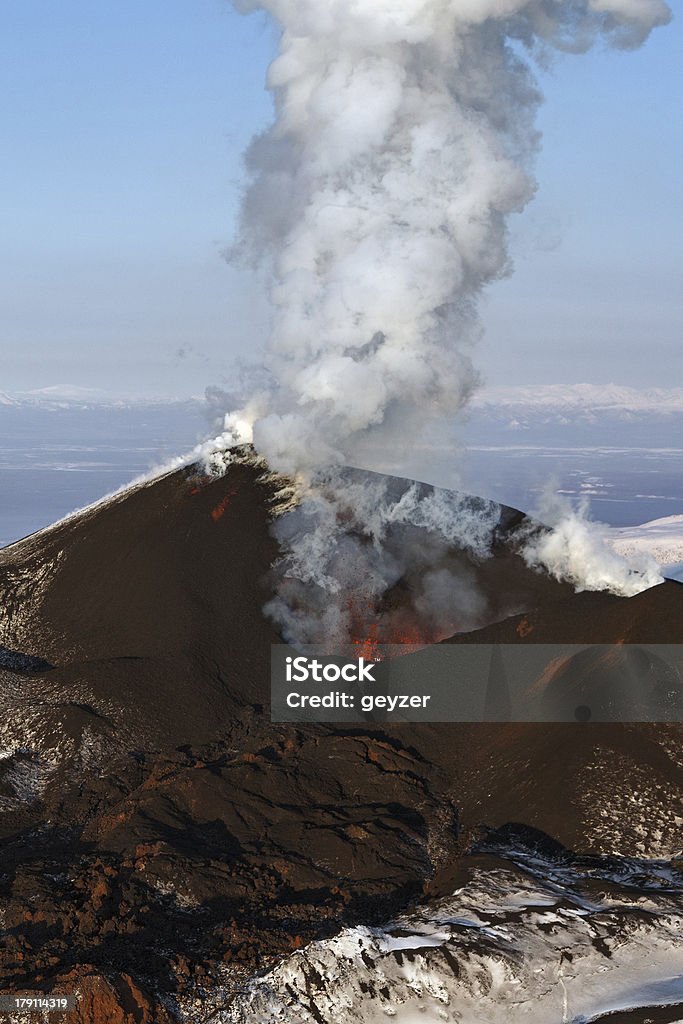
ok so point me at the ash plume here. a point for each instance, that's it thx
(377, 206)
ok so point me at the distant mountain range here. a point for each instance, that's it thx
(560, 403)
(573, 401)
(75, 397)
(529, 418)
(576, 415)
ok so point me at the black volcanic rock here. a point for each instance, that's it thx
(15, 661)
(156, 829)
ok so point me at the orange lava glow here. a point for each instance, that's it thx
(220, 509)
(371, 630)
(367, 646)
(197, 483)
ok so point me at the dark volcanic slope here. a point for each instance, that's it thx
(652, 617)
(156, 827)
(149, 610)
(174, 567)
(595, 786)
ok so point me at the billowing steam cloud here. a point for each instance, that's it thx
(577, 550)
(379, 199)
(378, 203)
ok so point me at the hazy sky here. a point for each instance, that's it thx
(123, 125)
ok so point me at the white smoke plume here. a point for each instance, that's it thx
(378, 204)
(577, 549)
(378, 201)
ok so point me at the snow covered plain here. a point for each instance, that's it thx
(662, 538)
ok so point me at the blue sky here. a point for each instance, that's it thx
(123, 126)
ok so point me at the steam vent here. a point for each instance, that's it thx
(163, 842)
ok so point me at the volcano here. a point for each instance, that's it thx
(162, 839)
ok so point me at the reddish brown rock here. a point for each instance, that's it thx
(108, 1000)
